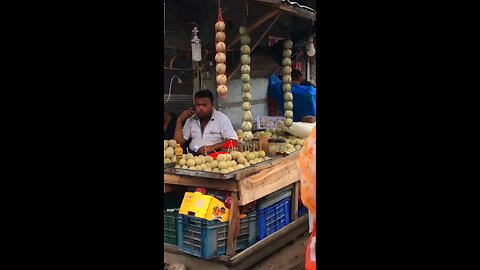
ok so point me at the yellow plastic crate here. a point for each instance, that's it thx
(204, 206)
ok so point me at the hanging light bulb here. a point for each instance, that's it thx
(196, 46)
(310, 47)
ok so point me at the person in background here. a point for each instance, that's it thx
(169, 120)
(297, 78)
(207, 128)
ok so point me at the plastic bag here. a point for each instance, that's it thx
(306, 165)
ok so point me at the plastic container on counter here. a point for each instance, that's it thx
(276, 145)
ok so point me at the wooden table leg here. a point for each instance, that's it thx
(295, 193)
(233, 225)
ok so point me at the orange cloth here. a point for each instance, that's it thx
(307, 171)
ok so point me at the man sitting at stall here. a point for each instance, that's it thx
(207, 128)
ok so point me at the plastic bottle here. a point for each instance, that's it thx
(178, 153)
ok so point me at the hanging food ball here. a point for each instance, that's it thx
(287, 87)
(247, 126)
(287, 79)
(288, 96)
(245, 49)
(246, 96)
(245, 69)
(288, 122)
(243, 30)
(286, 62)
(220, 68)
(288, 105)
(246, 106)
(246, 87)
(287, 53)
(220, 26)
(220, 57)
(244, 39)
(245, 78)
(220, 46)
(220, 36)
(287, 70)
(288, 44)
(247, 135)
(222, 89)
(288, 114)
(247, 116)
(245, 59)
(221, 79)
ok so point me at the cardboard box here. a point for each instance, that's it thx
(204, 206)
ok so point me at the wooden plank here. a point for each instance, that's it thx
(200, 182)
(233, 225)
(168, 188)
(256, 44)
(274, 161)
(265, 247)
(209, 175)
(295, 193)
(261, 20)
(267, 181)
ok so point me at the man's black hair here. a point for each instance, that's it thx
(204, 93)
(297, 75)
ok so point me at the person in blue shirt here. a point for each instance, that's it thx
(297, 78)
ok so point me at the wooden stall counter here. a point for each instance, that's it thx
(246, 185)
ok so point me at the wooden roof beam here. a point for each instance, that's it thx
(255, 25)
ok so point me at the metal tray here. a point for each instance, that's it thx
(236, 175)
(167, 166)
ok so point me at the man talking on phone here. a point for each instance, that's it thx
(208, 128)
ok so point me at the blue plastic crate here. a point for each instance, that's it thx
(208, 238)
(273, 218)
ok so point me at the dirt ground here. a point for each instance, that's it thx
(290, 257)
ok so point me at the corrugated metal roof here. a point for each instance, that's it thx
(299, 5)
(298, 8)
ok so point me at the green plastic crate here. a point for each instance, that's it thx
(171, 204)
(170, 227)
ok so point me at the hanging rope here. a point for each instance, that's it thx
(244, 21)
(221, 52)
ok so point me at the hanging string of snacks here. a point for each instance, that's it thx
(287, 82)
(245, 78)
(221, 57)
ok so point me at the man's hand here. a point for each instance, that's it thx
(205, 150)
(185, 115)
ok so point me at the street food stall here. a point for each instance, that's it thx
(238, 205)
